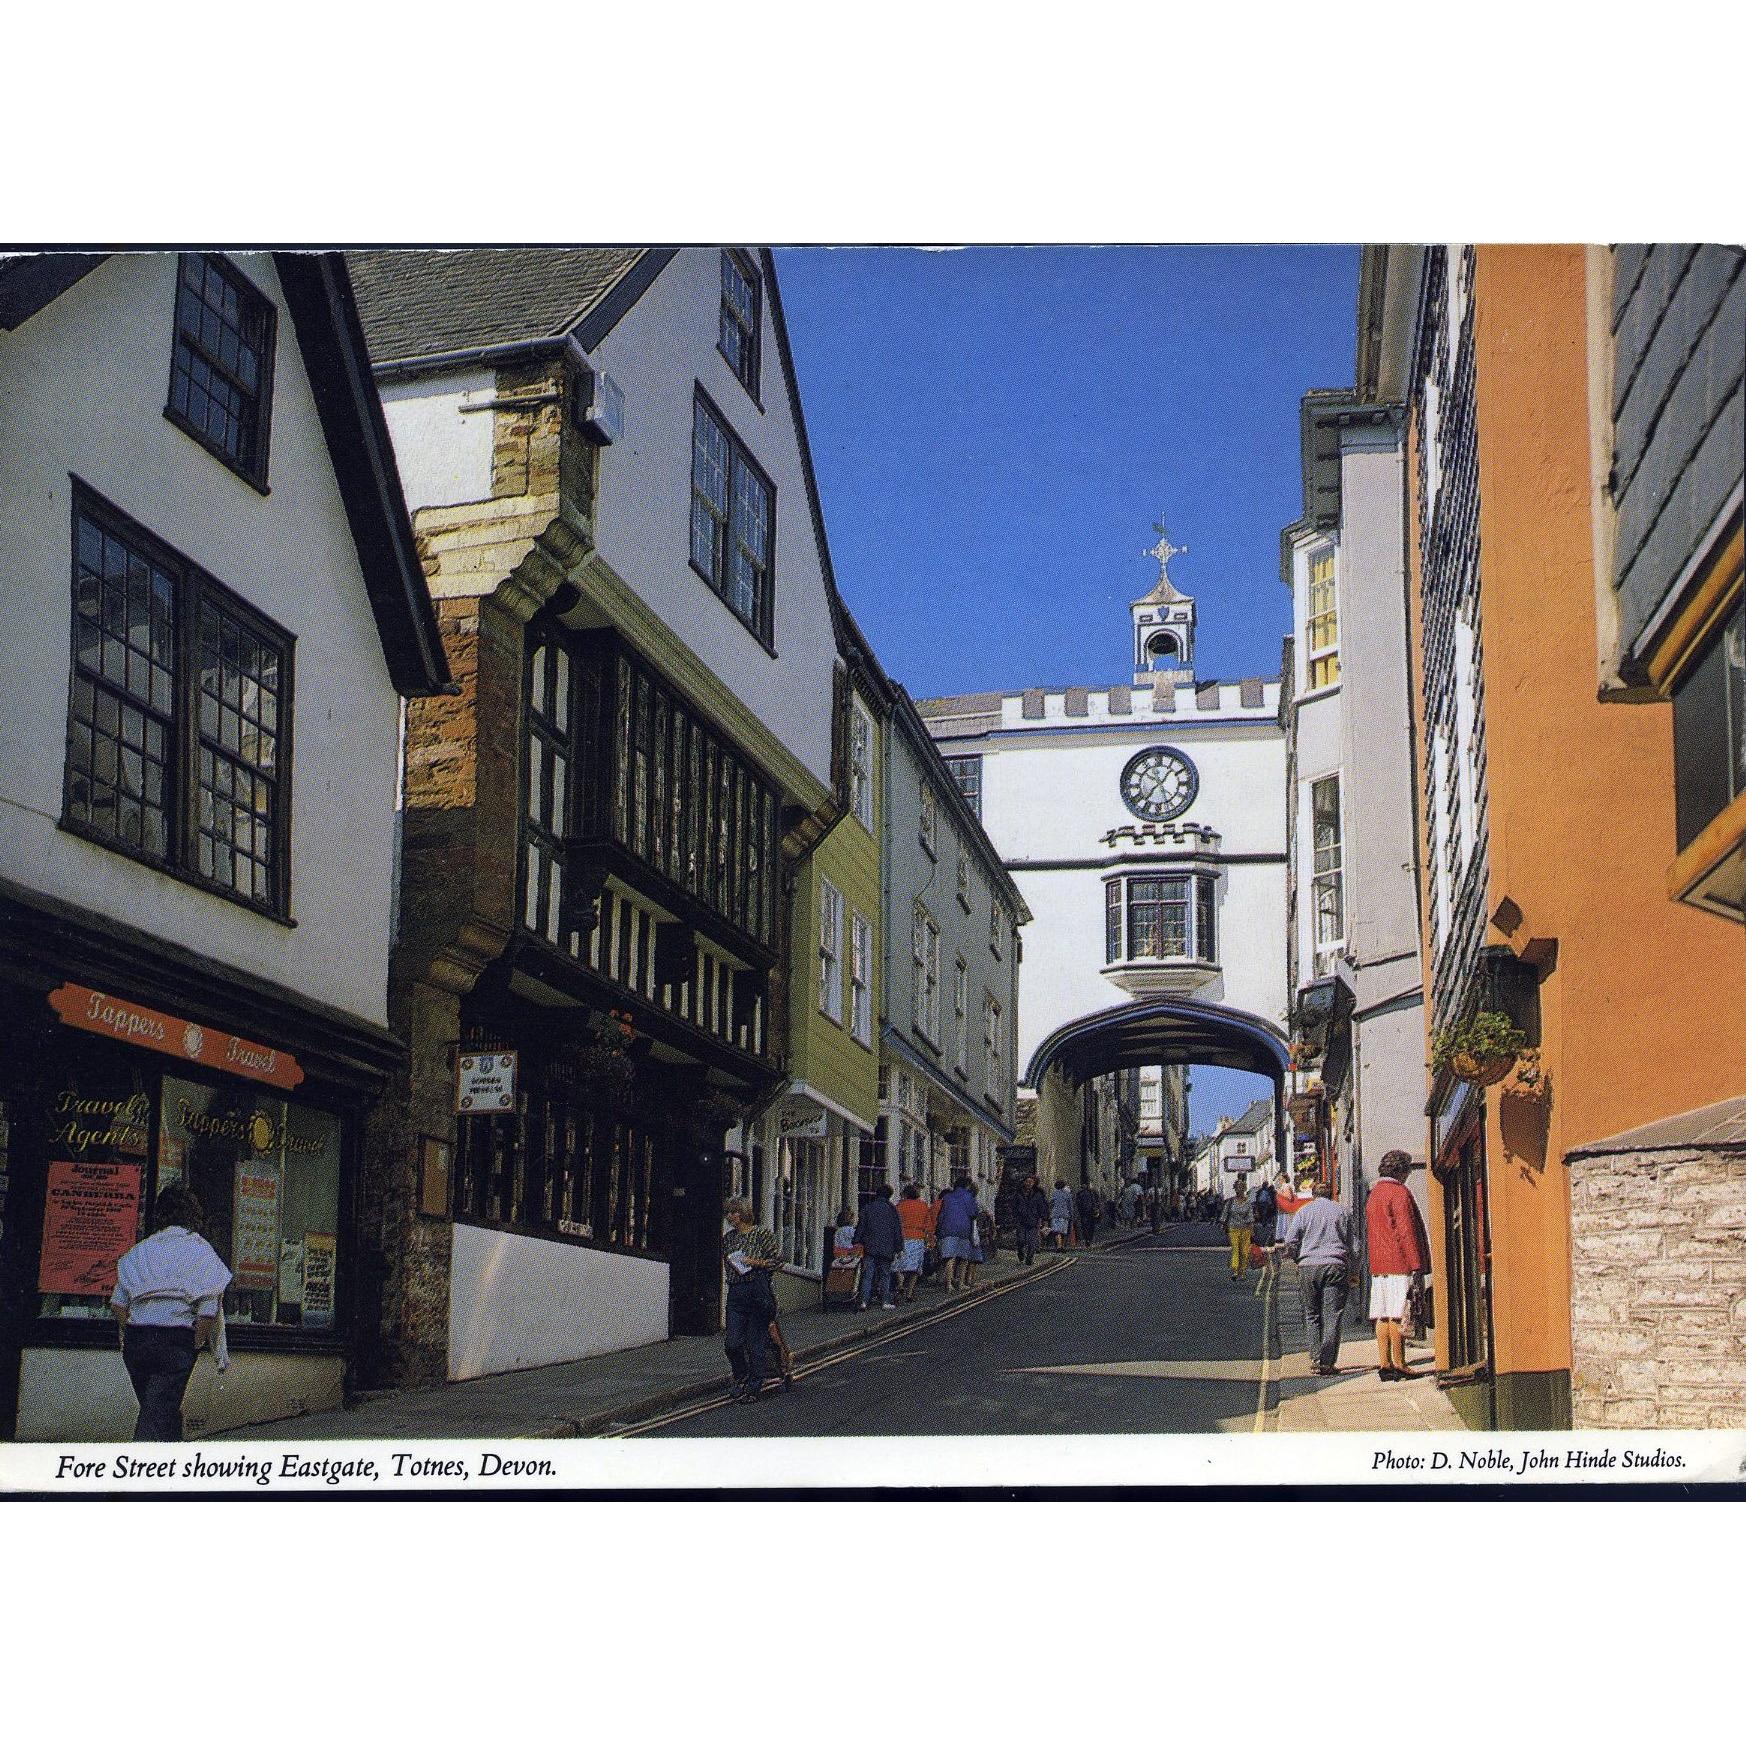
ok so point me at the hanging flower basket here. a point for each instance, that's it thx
(1480, 1050)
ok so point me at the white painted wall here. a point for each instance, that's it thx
(83, 386)
(442, 449)
(657, 353)
(1053, 795)
(516, 1302)
(82, 1395)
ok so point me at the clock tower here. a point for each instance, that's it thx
(1163, 619)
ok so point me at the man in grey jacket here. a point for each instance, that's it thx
(1319, 1240)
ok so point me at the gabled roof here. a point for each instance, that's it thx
(1256, 1119)
(426, 307)
(319, 298)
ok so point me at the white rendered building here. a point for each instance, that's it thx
(1144, 822)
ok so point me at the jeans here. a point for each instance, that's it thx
(876, 1278)
(1027, 1244)
(159, 1362)
(750, 1307)
(1323, 1288)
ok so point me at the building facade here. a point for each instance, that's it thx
(1359, 1087)
(1144, 824)
(607, 462)
(213, 610)
(948, 1069)
(1547, 814)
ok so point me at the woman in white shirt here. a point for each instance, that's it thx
(169, 1295)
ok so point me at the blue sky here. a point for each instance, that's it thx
(996, 430)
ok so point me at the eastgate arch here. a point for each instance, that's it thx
(1165, 1031)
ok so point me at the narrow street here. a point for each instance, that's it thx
(1152, 1336)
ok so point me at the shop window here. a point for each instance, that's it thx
(266, 1172)
(870, 1162)
(799, 1184)
(98, 1117)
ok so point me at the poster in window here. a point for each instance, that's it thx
(320, 1250)
(291, 1271)
(90, 1220)
(254, 1243)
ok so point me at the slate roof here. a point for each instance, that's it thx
(420, 303)
(1256, 1119)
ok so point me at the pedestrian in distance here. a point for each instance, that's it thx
(916, 1219)
(1320, 1242)
(169, 1300)
(981, 1236)
(1266, 1213)
(749, 1257)
(1087, 1205)
(1239, 1222)
(1128, 1203)
(1030, 1208)
(955, 1229)
(880, 1234)
(1400, 1255)
(1060, 1214)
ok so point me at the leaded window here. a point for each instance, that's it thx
(179, 714)
(740, 300)
(221, 365)
(967, 773)
(733, 526)
(551, 751)
(1159, 916)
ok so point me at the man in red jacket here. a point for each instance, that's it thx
(1399, 1256)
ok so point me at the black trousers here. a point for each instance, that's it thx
(1323, 1287)
(159, 1362)
(747, 1335)
(1027, 1243)
(1087, 1231)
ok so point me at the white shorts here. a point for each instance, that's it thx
(1388, 1296)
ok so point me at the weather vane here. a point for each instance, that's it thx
(1164, 551)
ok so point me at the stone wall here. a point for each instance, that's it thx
(1659, 1300)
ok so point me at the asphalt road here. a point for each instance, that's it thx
(1153, 1336)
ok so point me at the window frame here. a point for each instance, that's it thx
(193, 586)
(861, 979)
(1199, 906)
(761, 624)
(259, 304)
(751, 378)
(925, 953)
(961, 1018)
(831, 911)
(928, 822)
(861, 763)
(994, 1049)
(1329, 877)
(1326, 655)
(961, 766)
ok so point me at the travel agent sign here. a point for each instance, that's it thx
(108, 1015)
(485, 1084)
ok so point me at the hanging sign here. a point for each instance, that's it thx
(485, 1084)
(89, 1221)
(801, 1119)
(87, 1009)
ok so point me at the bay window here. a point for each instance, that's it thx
(1158, 916)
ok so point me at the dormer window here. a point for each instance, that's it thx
(221, 366)
(740, 305)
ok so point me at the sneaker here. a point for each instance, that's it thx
(888, 1306)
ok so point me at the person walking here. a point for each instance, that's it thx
(1266, 1214)
(880, 1234)
(1128, 1203)
(916, 1219)
(1087, 1205)
(169, 1300)
(1060, 1214)
(1320, 1242)
(1400, 1254)
(955, 1229)
(749, 1256)
(1029, 1209)
(981, 1236)
(1238, 1219)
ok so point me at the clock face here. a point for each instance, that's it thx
(1159, 783)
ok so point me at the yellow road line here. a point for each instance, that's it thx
(859, 1350)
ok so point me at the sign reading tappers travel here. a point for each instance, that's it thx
(485, 1084)
(87, 1009)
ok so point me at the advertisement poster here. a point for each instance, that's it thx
(291, 1271)
(89, 1221)
(254, 1246)
(319, 1251)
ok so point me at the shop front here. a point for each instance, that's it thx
(130, 1067)
(1462, 1231)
